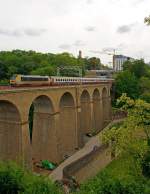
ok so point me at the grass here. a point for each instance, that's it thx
(122, 169)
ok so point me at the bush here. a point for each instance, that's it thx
(116, 186)
(146, 165)
(105, 184)
(15, 180)
(11, 179)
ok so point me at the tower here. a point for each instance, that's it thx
(80, 54)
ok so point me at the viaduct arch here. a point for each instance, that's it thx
(61, 117)
(42, 138)
(97, 110)
(85, 112)
(10, 131)
(67, 125)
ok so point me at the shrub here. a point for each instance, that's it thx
(104, 184)
(116, 186)
(11, 179)
(146, 165)
(16, 180)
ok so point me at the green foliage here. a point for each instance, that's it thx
(92, 63)
(134, 80)
(11, 179)
(15, 180)
(126, 82)
(127, 137)
(49, 70)
(118, 177)
(3, 71)
(144, 84)
(30, 62)
(136, 67)
(146, 164)
(145, 96)
(113, 186)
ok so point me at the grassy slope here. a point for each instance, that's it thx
(122, 168)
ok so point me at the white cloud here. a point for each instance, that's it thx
(66, 23)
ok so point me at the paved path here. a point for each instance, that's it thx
(57, 174)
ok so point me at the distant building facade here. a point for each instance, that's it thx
(118, 61)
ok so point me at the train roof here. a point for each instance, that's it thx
(34, 76)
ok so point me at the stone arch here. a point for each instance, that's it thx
(85, 112)
(97, 110)
(67, 132)
(10, 132)
(105, 102)
(43, 131)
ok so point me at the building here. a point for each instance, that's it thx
(118, 61)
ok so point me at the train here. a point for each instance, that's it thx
(37, 80)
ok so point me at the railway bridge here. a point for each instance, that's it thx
(61, 117)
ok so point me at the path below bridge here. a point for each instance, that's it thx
(57, 174)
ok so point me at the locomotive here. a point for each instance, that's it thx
(37, 80)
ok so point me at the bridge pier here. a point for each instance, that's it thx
(14, 139)
(61, 118)
(97, 111)
(43, 139)
(68, 125)
(86, 112)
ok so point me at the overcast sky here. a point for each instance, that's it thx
(93, 26)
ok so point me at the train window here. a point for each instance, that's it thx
(34, 79)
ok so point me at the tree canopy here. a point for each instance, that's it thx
(31, 62)
(134, 80)
(126, 82)
(127, 137)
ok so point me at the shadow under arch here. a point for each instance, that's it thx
(85, 116)
(97, 111)
(10, 132)
(105, 104)
(67, 131)
(42, 129)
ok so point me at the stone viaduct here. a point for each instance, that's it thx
(62, 116)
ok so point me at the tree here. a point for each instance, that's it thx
(126, 82)
(92, 63)
(135, 128)
(144, 84)
(31, 62)
(48, 70)
(3, 71)
(147, 20)
(137, 67)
